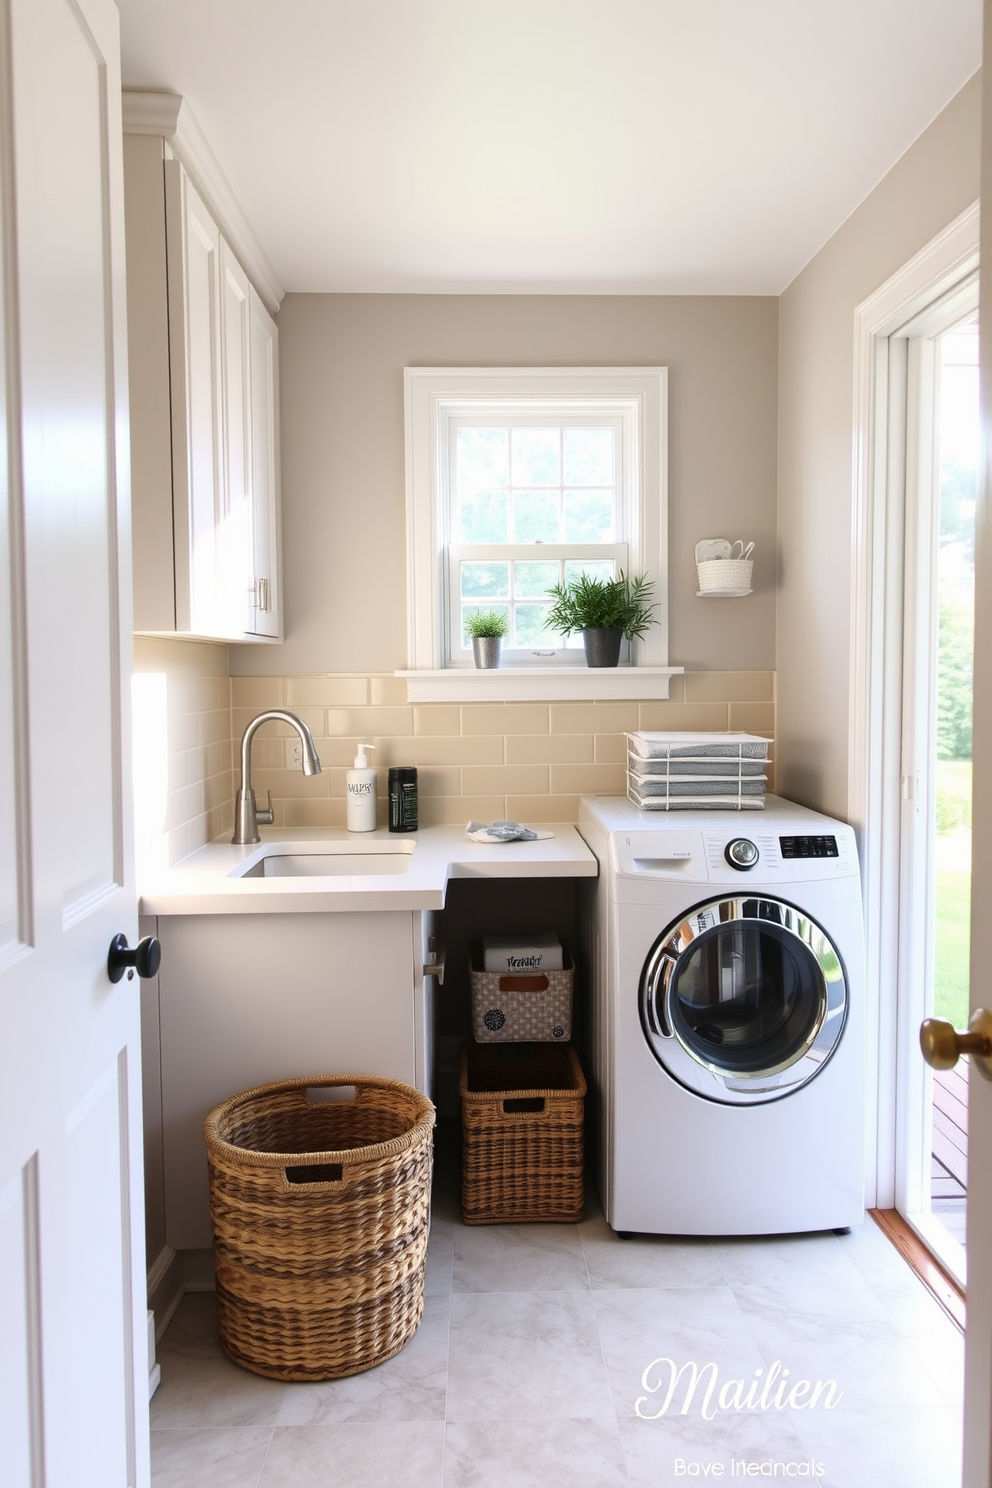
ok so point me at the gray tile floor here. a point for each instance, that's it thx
(528, 1367)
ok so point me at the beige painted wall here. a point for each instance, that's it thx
(342, 360)
(933, 183)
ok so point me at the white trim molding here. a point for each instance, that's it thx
(881, 324)
(639, 395)
(169, 115)
(534, 684)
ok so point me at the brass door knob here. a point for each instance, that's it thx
(943, 1046)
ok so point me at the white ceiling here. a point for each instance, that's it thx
(612, 146)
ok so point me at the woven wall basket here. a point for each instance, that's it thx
(719, 575)
(320, 1213)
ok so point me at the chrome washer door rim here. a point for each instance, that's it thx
(662, 1024)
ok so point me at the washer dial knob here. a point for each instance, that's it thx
(741, 854)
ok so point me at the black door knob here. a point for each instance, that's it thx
(145, 959)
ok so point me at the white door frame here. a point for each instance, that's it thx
(876, 702)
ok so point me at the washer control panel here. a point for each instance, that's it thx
(808, 847)
(741, 854)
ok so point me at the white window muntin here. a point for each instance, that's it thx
(605, 559)
(561, 421)
(437, 397)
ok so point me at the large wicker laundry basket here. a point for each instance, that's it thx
(320, 1211)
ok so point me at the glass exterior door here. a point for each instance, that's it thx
(958, 436)
(935, 891)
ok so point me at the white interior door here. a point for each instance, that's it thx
(73, 1349)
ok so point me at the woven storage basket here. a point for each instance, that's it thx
(320, 1214)
(717, 575)
(522, 1137)
(516, 1009)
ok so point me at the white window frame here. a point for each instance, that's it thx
(434, 396)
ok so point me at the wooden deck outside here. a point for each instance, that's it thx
(949, 1154)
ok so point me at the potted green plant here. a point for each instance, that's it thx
(604, 610)
(486, 629)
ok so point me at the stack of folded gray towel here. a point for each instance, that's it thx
(691, 772)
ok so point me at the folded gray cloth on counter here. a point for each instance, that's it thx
(503, 831)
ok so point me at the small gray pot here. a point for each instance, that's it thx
(602, 647)
(485, 649)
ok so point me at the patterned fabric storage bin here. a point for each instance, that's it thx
(522, 1133)
(516, 1009)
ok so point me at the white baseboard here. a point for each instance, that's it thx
(165, 1287)
(154, 1368)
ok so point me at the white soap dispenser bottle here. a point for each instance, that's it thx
(361, 783)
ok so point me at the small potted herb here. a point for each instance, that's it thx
(604, 610)
(487, 629)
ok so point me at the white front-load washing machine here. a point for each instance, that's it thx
(727, 1029)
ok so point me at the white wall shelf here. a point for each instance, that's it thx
(538, 684)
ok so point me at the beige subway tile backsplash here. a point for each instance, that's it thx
(434, 780)
(332, 692)
(520, 779)
(275, 729)
(610, 749)
(385, 691)
(394, 751)
(437, 718)
(298, 813)
(753, 718)
(588, 780)
(702, 717)
(542, 808)
(593, 718)
(525, 761)
(505, 718)
(365, 723)
(437, 809)
(256, 693)
(549, 749)
(479, 749)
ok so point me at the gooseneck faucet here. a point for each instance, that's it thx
(246, 815)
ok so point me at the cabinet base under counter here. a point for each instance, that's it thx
(247, 1000)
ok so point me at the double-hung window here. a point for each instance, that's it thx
(518, 480)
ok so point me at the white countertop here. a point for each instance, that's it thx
(201, 883)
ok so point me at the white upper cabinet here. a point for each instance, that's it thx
(204, 402)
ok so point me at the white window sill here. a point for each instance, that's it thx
(509, 684)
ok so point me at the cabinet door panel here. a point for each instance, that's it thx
(198, 475)
(267, 598)
(233, 529)
(250, 999)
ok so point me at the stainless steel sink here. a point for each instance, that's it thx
(329, 862)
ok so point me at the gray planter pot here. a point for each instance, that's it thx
(602, 647)
(485, 649)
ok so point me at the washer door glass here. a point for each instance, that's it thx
(743, 1000)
